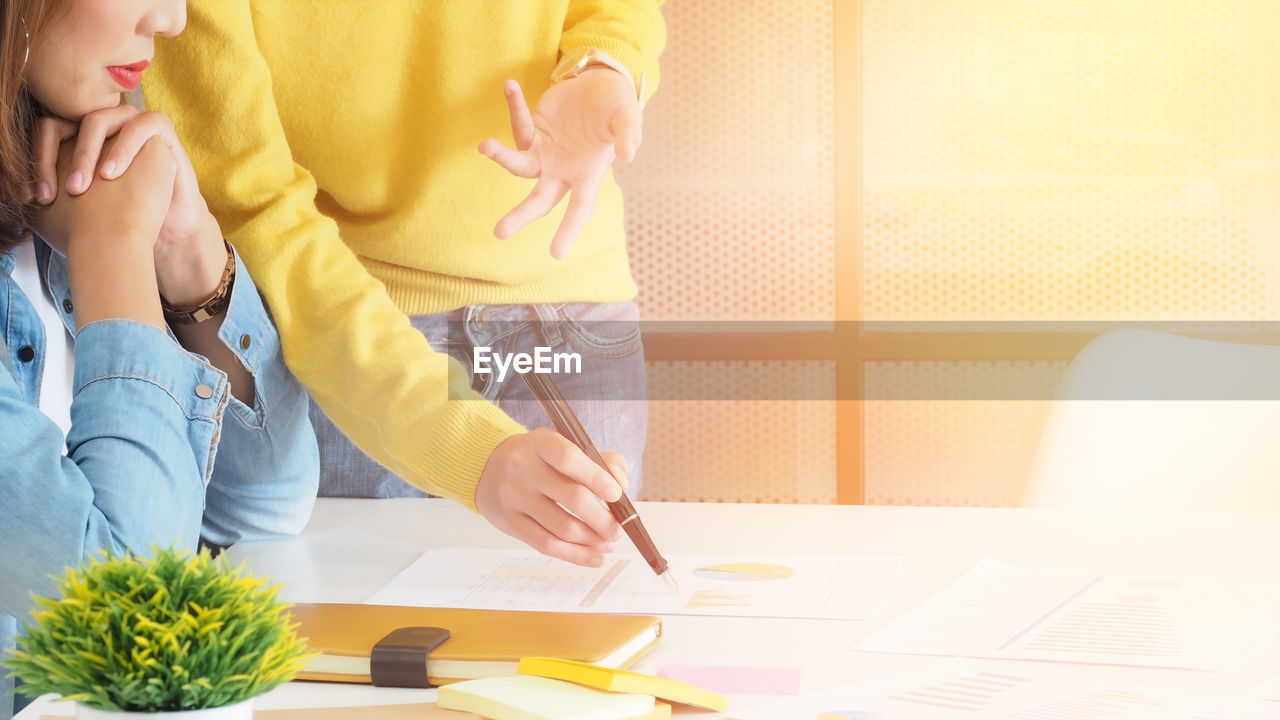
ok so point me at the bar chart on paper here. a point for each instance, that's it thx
(841, 587)
(999, 610)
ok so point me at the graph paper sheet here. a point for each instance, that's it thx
(961, 687)
(838, 587)
(999, 610)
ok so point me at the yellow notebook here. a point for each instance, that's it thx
(622, 681)
(482, 643)
(527, 697)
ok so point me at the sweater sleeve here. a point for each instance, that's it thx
(632, 31)
(342, 335)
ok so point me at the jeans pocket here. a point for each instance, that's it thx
(604, 331)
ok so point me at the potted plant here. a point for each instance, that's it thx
(175, 635)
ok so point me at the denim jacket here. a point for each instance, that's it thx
(159, 451)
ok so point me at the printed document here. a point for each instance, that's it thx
(838, 587)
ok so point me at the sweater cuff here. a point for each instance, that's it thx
(644, 71)
(478, 430)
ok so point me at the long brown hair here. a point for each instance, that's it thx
(18, 110)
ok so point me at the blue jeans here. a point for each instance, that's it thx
(608, 396)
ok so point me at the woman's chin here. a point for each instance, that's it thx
(77, 110)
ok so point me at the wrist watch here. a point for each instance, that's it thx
(213, 305)
(576, 62)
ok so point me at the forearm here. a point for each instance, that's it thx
(202, 339)
(187, 275)
(113, 277)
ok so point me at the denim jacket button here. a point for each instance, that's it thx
(204, 391)
(66, 305)
(26, 353)
(245, 342)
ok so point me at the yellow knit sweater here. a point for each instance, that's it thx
(335, 141)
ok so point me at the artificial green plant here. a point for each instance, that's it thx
(176, 631)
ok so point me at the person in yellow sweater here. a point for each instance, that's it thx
(343, 135)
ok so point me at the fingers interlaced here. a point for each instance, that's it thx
(49, 135)
(93, 133)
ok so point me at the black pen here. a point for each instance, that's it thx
(545, 390)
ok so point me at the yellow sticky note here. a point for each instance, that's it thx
(622, 681)
(527, 697)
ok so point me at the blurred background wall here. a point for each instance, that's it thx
(931, 206)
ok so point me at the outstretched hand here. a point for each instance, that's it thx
(577, 130)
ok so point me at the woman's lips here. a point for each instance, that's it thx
(128, 76)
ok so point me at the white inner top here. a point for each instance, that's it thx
(55, 385)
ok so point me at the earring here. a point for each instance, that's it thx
(27, 54)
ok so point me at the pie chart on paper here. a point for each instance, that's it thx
(744, 572)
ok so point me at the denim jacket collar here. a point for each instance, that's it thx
(52, 269)
(53, 273)
(8, 259)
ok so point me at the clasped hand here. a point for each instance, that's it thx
(151, 193)
(577, 130)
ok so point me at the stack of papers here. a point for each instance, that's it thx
(960, 688)
(999, 610)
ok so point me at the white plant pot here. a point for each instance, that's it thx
(239, 711)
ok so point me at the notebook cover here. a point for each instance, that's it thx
(351, 630)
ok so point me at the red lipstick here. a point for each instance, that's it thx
(128, 76)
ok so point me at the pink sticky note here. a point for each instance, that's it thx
(735, 680)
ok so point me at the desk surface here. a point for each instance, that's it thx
(351, 548)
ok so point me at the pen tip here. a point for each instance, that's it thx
(671, 582)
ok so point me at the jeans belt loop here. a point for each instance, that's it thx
(472, 324)
(550, 324)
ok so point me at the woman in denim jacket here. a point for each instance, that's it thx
(143, 397)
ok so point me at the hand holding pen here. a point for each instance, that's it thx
(541, 489)
(562, 416)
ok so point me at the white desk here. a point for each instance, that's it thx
(352, 547)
